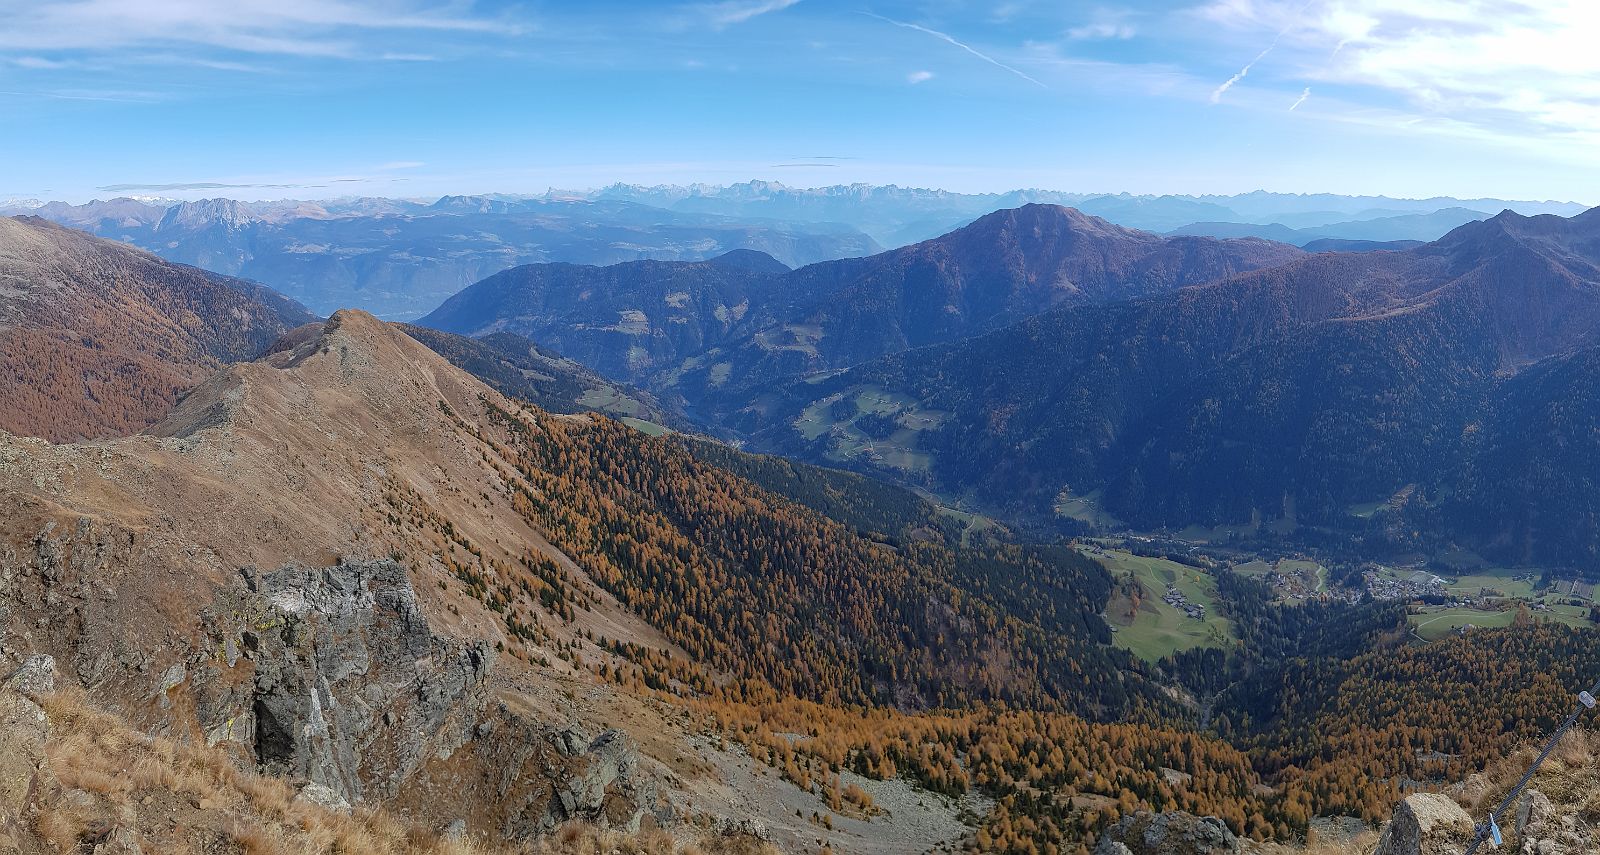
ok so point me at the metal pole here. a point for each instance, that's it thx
(1586, 701)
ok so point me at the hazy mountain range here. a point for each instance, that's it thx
(900, 215)
(400, 259)
(1378, 232)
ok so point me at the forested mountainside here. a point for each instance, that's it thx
(400, 258)
(677, 588)
(709, 331)
(522, 369)
(99, 339)
(624, 320)
(875, 508)
(572, 544)
(1295, 391)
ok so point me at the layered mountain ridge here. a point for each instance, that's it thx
(703, 331)
(400, 258)
(900, 215)
(1293, 391)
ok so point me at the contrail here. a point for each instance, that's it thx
(1228, 84)
(1301, 100)
(968, 48)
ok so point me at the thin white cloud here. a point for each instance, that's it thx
(39, 63)
(966, 47)
(109, 95)
(916, 77)
(297, 27)
(1104, 23)
(1118, 78)
(1101, 30)
(1006, 11)
(200, 185)
(1301, 100)
(199, 62)
(233, 188)
(730, 12)
(1508, 67)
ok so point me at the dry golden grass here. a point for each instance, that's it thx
(59, 828)
(1360, 845)
(580, 839)
(254, 839)
(105, 775)
(1570, 777)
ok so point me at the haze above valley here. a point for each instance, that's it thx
(400, 258)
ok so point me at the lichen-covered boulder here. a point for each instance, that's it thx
(332, 675)
(1171, 833)
(1427, 824)
(24, 727)
(36, 676)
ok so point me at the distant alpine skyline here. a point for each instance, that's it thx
(302, 99)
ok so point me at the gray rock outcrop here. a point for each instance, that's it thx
(332, 675)
(1171, 833)
(537, 777)
(581, 791)
(1427, 824)
(455, 832)
(323, 797)
(35, 676)
(1541, 829)
(729, 826)
(23, 731)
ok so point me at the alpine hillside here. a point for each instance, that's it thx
(1293, 393)
(99, 339)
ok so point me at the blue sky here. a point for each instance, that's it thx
(314, 98)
